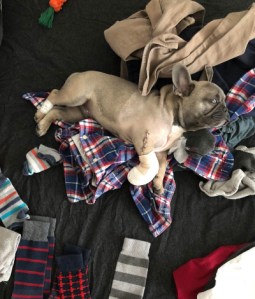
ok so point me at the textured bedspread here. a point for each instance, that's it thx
(33, 58)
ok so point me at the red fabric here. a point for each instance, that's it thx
(193, 276)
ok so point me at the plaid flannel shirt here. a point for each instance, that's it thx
(108, 160)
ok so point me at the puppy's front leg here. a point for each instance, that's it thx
(159, 178)
(148, 167)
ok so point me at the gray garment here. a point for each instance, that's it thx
(9, 242)
(35, 230)
(241, 184)
(51, 221)
(131, 270)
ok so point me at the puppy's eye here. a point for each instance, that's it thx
(214, 101)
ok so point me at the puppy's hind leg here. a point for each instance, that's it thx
(67, 114)
(46, 106)
(71, 94)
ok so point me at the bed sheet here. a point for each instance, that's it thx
(33, 58)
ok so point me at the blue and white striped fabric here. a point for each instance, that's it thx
(13, 211)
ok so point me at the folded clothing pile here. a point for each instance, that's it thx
(8, 247)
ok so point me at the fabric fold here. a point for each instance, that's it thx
(129, 35)
(218, 41)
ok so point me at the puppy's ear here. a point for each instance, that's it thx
(207, 74)
(182, 82)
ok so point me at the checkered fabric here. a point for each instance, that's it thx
(106, 160)
(71, 279)
(73, 285)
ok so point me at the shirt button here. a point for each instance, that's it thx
(84, 136)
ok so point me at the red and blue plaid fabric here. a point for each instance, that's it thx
(108, 160)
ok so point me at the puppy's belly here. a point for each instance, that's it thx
(172, 139)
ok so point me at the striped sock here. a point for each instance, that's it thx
(40, 159)
(31, 261)
(13, 211)
(71, 277)
(131, 270)
(51, 241)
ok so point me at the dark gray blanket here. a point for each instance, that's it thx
(33, 58)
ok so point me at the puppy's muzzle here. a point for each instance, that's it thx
(219, 115)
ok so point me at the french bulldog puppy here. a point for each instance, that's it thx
(152, 123)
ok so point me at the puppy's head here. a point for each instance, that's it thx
(201, 103)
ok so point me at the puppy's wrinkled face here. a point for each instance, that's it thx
(204, 107)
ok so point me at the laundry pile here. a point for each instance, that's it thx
(95, 162)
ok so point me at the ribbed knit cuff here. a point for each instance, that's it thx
(70, 262)
(86, 255)
(136, 248)
(35, 230)
(72, 249)
(51, 221)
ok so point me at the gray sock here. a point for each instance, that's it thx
(131, 270)
(51, 221)
(35, 230)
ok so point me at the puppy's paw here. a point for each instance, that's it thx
(138, 177)
(42, 128)
(38, 116)
(157, 186)
(158, 191)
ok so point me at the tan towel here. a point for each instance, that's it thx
(128, 36)
(219, 41)
(9, 242)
